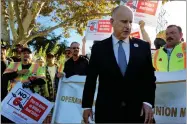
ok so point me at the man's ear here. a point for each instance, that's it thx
(181, 35)
(111, 21)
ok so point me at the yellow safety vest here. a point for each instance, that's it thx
(34, 69)
(176, 62)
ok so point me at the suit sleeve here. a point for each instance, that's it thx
(90, 84)
(149, 79)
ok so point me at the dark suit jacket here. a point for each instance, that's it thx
(119, 97)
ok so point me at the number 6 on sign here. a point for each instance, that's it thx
(17, 101)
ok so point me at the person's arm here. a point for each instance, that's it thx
(84, 46)
(144, 33)
(10, 75)
(91, 79)
(66, 72)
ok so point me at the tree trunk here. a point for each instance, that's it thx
(5, 32)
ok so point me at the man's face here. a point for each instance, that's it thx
(3, 53)
(19, 51)
(122, 23)
(40, 62)
(68, 54)
(50, 59)
(75, 47)
(26, 56)
(173, 36)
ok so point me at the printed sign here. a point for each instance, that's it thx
(145, 10)
(98, 29)
(23, 106)
(136, 33)
(102, 29)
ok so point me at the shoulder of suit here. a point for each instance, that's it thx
(101, 43)
(84, 57)
(140, 41)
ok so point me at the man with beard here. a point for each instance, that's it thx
(17, 53)
(77, 64)
(172, 56)
(26, 72)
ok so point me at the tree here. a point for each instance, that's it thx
(68, 14)
(5, 35)
(51, 40)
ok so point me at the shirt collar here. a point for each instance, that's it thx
(115, 40)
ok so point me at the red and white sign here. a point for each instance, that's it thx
(23, 106)
(104, 26)
(98, 29)
(136, 33)
(145, 10)
(147, 7)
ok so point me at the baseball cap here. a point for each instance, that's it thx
(26, 49)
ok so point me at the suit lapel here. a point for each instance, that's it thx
(132, 54)
(112, 59)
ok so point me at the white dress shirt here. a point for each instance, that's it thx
(126, 47)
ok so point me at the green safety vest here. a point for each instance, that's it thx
(176, 62)
(34, 69)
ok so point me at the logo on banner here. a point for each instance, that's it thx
(93, 27)
(23, 102)
(19, 99)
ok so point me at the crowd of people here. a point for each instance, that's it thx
(42, 75)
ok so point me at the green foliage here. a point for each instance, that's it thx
(50, 43)
(76, 13)
(55, 48)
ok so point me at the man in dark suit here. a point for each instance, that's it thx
(126, 89)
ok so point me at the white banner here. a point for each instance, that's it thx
(170, 104)
(23, 106)
(144, 10)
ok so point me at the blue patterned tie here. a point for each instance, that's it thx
(122, 62)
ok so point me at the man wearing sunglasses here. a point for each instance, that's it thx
(77, 64)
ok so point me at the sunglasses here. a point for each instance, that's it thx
(67, 53)
(75, 48)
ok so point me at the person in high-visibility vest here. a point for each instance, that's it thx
(172, 56)
(28, 73)
(53, 73)
(160, 37)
